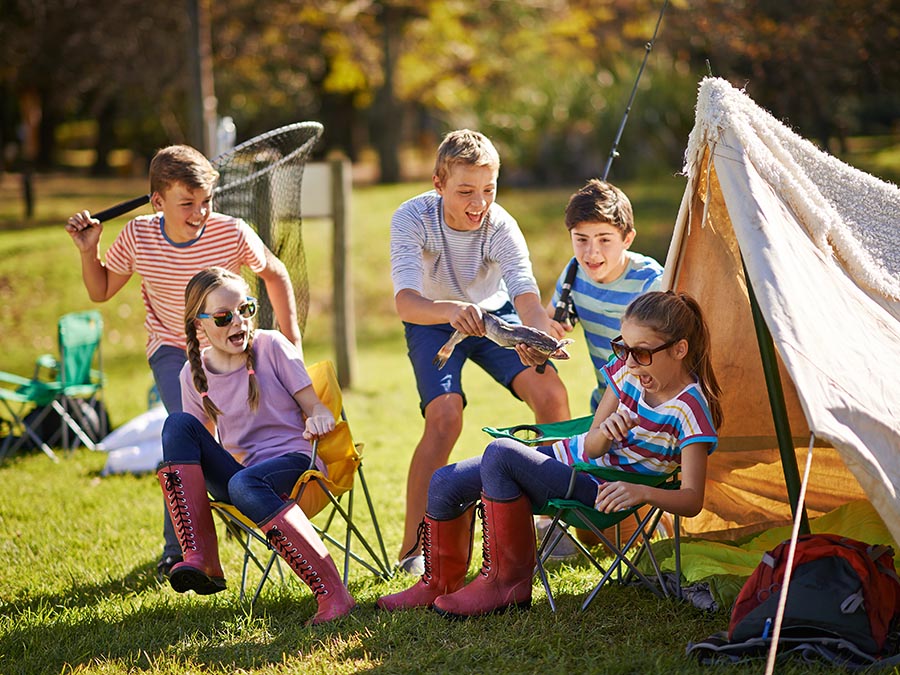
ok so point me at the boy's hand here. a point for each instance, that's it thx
(530, 356)
(466, 318)
(559, 329)
(616, 426)
(84, 230)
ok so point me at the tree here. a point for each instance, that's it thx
(817, 70)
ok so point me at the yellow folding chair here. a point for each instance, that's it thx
(627, 555)
(314, 491)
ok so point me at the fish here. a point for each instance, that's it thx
(508, 335)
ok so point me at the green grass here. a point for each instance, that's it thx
(77, 589)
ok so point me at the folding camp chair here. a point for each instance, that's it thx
(314, 491)
(627, 556)
(69, 386)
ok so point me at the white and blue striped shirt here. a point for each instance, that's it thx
(600, 307)
(487, 267)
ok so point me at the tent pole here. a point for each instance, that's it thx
(779, 409)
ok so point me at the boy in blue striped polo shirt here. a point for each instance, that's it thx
(608, 276)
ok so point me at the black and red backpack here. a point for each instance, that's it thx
(843, 602)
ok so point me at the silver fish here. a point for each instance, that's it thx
(508, 335)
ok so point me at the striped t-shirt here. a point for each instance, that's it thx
(655, 445)
(487, 267)
(166, 267)
(600, 307)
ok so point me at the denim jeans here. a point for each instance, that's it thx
(506, 470)
(259, 491)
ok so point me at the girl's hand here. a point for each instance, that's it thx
(318, 425)
(616, 426)
(618, 496)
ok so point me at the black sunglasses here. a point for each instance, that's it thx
(222, 319)
(642, 355)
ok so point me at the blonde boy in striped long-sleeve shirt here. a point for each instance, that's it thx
(455, 254)
(166, 249)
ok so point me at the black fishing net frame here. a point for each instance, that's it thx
(260, 181)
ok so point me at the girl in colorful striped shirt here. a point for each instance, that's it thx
(660, 412)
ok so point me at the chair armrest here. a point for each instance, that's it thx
(47, 363)
(608, 474)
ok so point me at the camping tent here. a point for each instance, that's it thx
(820, 244)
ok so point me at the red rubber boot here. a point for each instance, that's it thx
(447, 548)
(184, 488)
(508, 567)
(292, 535)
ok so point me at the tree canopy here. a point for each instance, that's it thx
(548, 80)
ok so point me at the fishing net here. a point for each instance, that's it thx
(260, 181)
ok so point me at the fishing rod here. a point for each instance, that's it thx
(564, 308)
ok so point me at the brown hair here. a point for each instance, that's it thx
(198, 289)
(674, 316)
(600, 202)
(464, 146)
(181, 164)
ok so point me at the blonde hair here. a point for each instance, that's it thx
(181, 164)
(600, 202)
(464, 146)
(198, 289)
(675, 316)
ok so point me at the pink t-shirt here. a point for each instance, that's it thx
(166, 267)
(277, 426)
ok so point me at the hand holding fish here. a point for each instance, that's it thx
(468, 320)
(510, 336)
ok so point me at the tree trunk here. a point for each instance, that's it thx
(106, 138)
(387, 114)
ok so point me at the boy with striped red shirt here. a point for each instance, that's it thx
(166, 249)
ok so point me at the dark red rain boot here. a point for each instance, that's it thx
(184, 489)
(447, 548)
(508, 567)
(291, 534)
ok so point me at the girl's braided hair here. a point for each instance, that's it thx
(198, 289)
(676, 315)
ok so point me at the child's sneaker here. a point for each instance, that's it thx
(565, 549)
(413, 565)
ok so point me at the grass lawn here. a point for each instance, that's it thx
(77, 588)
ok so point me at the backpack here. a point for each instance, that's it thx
(840, 589)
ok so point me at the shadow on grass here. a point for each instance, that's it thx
(147, 627)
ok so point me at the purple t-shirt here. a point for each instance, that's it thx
(276, 428)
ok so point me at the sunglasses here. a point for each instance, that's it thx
(642, 355)
(222, 319)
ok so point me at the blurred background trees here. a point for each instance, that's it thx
(104, 80)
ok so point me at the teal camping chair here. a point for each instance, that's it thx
(628, 556)
(69, 386)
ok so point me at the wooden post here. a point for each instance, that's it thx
(344, 325)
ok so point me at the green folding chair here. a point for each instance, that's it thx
(68, 385)
(628, 556)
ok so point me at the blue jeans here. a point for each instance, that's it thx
(258, 491)
(165, 364)
(506, 470)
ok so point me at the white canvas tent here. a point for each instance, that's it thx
(820, 242)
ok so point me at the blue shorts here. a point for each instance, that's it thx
(423, 343)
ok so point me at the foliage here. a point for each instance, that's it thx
(548, 80)
(829, 73)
